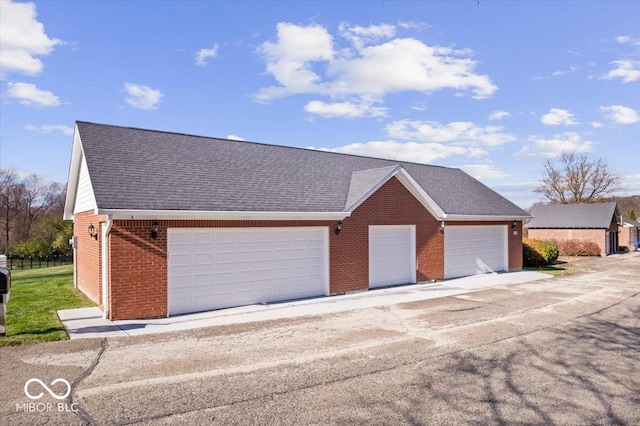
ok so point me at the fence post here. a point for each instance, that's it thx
(31, 260)
(21, 262)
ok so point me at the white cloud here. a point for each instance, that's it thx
(573, 68)
(554, 146)
(289, 60)
(498, 115)
(558, 117)
(142, 97)
(29, 94)
(620, 114)
(344, 109)
(457, 132)
(407, 151)
(627, 70)
(49, 128)
(597, 124)
(484, 171)
(408, 25)
(628, 40)
(203, 54)
(424, 142)
(407, 65)
(235, 138)
(22, 39)
(520, 193)
(304, 60)
(361, 36)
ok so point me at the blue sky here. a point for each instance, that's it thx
(495, 88)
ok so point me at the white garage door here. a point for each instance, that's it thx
(470, 250)
(214, 268)
(392, 255)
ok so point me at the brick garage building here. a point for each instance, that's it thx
(167, 223)
(594, 222)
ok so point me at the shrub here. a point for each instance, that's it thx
(538, 252)
(578, 248)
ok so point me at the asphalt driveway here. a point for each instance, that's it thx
(560, 351)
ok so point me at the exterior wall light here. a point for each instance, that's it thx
(338, 227)
(92, 232)
(442, 226)
(155, 227)
(514, 225)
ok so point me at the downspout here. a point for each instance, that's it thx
(106, 229)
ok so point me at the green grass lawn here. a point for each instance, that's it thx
(551, 270)
(36, 296)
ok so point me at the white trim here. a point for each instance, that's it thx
(106, 229)
(327, 263)
(219, 215)
(485, 218)
(421, 195)
(377, 186)
(74, 175)
(412, 186)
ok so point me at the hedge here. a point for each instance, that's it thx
(578, 248)
(538, 252)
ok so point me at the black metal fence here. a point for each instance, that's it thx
(31, 262)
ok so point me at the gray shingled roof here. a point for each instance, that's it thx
(138, 169)
(594, 216)
(630, 222)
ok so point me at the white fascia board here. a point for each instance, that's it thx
(485, 218)
(374, 189)
(412, 186)
(218, 215)
(74, 175)
(421, 195)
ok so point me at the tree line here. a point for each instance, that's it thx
(31, 210)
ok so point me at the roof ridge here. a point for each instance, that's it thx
(267, 144)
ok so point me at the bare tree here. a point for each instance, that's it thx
(575, 178)
(11, 198)
(24, 203)
(39, 197)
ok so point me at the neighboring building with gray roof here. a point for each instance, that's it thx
(269, 222)
(629, 233)
(597, 222)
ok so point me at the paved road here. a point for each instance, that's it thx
(559, 351)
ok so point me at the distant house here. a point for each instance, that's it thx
(629, 233)
(597, 222)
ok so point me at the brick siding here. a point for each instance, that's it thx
(88, 259)
(598, 236)
(138, 263)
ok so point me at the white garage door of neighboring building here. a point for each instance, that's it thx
(214, 268)
(470, 250)
(392, 255)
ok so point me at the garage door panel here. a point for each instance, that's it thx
(471, 250)
(215, 268)
(391, 255)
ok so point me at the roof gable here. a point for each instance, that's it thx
(591, 216)
(138, 170)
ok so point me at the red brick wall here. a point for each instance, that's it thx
(138, 263)
(88, 255)
(598, 236)
(392, 204)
